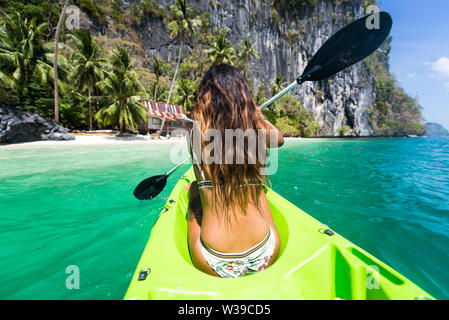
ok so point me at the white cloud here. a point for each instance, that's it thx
(446, 85)
(441, 67)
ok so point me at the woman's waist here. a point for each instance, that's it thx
(235, 237)
(238, 253)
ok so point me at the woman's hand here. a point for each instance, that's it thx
(271, 129)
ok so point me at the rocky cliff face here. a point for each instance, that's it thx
(285, 47)
(285, 43)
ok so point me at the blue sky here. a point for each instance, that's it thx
(420, 54)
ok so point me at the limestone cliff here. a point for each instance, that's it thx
(284, 46)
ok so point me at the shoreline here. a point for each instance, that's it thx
(81, 140)
(105, 139)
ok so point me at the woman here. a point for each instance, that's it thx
(231, 231)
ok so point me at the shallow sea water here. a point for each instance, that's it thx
(73, 205)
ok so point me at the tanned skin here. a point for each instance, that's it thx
(248, 228)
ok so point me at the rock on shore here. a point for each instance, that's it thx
(18, 126)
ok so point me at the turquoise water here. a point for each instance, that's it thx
(73, 205)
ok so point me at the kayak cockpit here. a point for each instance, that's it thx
(311, 264)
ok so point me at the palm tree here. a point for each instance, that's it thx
(184, 21)
(246, 51)
(278, 85)
(55, 60)
(161, 93)
(23, 53)
(158, 69)
(123, 88)
(185, 93)
(6, 81)
(183, 26)
(125, 109)
(121, 61)
(260, 95)
(221, 50)
(88, 66)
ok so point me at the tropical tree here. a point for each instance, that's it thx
(185, 93)
(246, 52)
(123, 88)
(344, 130)
(23, 52)
(6, 81)
(157, 67)
(278, 85)
(315, 128)
(184, 21)
(161, 91)
(55, 60)
(260, 95)
(183, 26)
(88, 66)
(221, 50)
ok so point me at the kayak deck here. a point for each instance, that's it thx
(311, 264)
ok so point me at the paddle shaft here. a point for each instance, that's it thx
(292, 86)
(176, 167)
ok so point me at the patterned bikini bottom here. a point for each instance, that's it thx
(234, 265)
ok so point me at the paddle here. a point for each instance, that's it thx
(151, 187)
(348, 46)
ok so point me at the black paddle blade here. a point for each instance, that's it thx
(348, 46)
(150, 187)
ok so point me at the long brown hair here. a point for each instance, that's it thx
(224, 101)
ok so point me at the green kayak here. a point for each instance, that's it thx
(313, 263)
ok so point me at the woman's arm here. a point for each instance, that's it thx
(195, 208)
(194, 231)
(273, 130)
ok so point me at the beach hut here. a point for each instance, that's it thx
(175, 117)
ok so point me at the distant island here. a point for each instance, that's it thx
(436, 129)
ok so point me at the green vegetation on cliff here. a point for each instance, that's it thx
(395, 113)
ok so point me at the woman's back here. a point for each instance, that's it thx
(231, 230)
(244, 230)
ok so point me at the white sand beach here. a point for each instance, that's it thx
(102, 140)
(97, 140)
